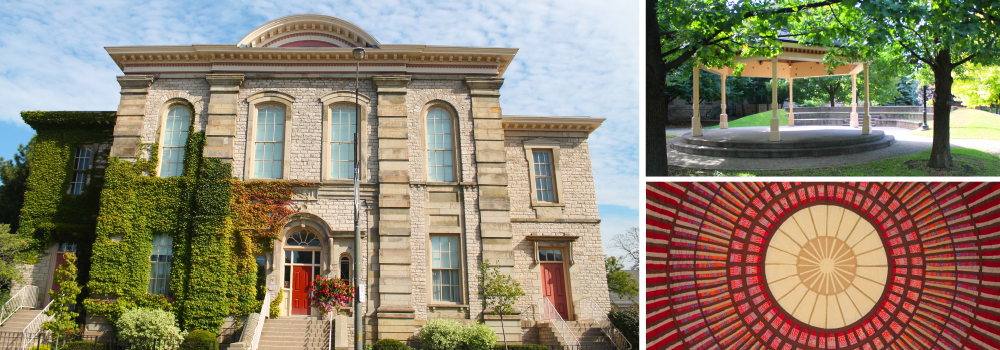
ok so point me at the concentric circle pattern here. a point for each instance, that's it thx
(791, 266)
(826, 266)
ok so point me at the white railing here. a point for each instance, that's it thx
(34, 327)
(27, 297)
(265, 312)
(600, 317)
(549, 313)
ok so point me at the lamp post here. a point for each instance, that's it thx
(924, 125)
(359, 54)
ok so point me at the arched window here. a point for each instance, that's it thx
(343, 125)
(439, 146)
(175, 133)
(345, 269)
(302, 239)
(269, 142)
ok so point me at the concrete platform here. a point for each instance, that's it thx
(799, 141)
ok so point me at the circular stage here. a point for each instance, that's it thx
(797, 141)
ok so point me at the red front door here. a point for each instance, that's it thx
(60, 260)
(301, 278)
(554, 287)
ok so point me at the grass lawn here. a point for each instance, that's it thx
(968, 162)
(669, 136)
(969, 124)
(759, 119)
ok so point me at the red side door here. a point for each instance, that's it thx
(60, 260)
(554, 287)
(301, 278)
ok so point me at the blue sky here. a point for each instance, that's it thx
(576, 58)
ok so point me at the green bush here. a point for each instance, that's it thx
(82, 345)
(627, 321)
(390, 344)
(478, 336)
(441, 334)
(521, 347)
(40, 347)
(149, 328)
(200, 340)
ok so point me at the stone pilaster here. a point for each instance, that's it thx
(222, 105)
(131, 111)
(395, 282)
(491, 172)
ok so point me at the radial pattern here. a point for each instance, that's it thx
(789, 266)
(826, 266)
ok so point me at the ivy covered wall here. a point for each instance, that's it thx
(218, 223)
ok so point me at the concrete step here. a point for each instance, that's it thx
(19, 320)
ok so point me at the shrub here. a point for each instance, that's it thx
(478, 336)
(200, 340)
(520, 347)
(390, 344)
(149, 328)
(82, 345)
(627, 321)
(276, 304)
(441, 334)
(40, 347)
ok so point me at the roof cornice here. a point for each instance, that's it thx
(551, 124)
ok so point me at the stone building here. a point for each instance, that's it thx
(447, 180)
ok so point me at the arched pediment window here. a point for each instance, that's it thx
(303, 239)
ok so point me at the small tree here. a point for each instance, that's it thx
(499, 291)
(63, 323)
(620, 282)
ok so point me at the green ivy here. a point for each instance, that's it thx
(52, 118)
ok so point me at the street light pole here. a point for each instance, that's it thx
(359, 53)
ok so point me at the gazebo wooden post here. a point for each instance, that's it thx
(867, 127)
(854, 100)
(696, 116)
(791, 104)
(724, 118)
(774, 100)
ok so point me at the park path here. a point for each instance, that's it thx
(906, 144)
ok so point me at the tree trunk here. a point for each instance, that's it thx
(832, 99)
(656, 102)
(941, 149)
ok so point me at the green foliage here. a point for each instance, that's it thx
(149, 328)
(63, 322)
(500, 291)
(390, 344)
(478, 336)
(200, 340)
(82, 345)
(12, 253)
(627, 321)
(441, 334)
(619, 281)
(39, 119)
(970, 124)
(978, 85)
(13, 183)
(524, 347)
(40, 347)
(276, 304)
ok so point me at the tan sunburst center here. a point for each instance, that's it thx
(827, 265)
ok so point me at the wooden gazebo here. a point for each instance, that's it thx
(795, 61)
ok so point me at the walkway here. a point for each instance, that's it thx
(906, 144)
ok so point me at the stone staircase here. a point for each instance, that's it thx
(299, 333)
(10, 331)
(590, 336)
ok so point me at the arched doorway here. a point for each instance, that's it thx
(303, 253)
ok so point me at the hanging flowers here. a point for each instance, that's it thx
(330, 294)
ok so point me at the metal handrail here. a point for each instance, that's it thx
(27, 297)
(592, 311)
(265, 312)
(550, 313)
(35, 326)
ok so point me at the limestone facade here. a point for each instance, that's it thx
(488, 205)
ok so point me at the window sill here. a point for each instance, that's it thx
(547, 204)
(434, 306)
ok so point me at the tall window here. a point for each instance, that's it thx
(160, 259)
(544, 180)
(270, 134)
(345, 269)
(439, 146)
(343, 124)
(81, 163)
(445, 268)
(175, 133)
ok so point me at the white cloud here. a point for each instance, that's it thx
(575, 58)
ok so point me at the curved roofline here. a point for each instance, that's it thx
(307, 18)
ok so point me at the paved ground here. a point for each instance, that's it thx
(906, 144)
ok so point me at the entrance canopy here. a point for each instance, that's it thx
(795, 61)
